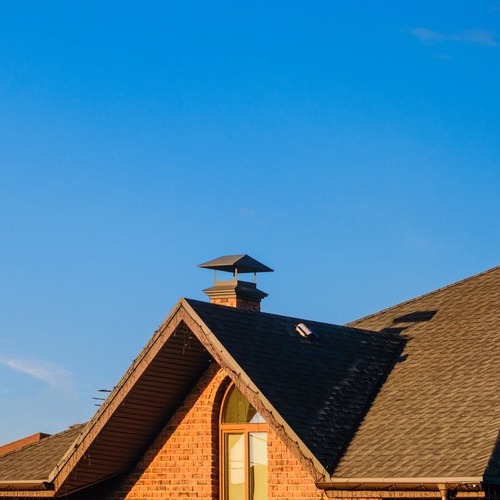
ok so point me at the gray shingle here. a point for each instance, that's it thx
(321, 385)
(37, 460)
(438, 414)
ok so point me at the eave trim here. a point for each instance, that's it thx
(92, 429)
(403, 483)
(26, 485)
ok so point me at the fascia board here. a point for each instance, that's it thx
(401, 482)
(77, 450)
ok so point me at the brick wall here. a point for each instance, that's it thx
(287, 477)
(238, 302)
(183, 462)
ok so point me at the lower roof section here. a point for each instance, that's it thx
(438, 413)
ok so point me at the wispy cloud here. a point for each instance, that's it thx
(478, 37)
(50, 373)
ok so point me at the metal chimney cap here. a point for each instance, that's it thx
(240, 263)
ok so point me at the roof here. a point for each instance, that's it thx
(438, 414)
(35, 461)
(337, 373)
(410, 395)
(320, 386)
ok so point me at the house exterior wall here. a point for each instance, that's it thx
(183, 462)
(287, 476)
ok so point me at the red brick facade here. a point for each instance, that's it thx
(183, 462)
(287, 477)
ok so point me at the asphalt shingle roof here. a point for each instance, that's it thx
(438, 414)
(37, 460)
(410, 392)
(320, 385)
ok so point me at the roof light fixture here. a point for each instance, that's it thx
(304, 331)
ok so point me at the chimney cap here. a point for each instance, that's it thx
(236, 263)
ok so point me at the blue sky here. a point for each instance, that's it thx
(351, 146)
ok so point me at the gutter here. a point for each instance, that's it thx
(33, 485)
(439, 485)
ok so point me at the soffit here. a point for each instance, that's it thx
(137, 409)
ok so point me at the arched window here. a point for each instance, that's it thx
(243, 434)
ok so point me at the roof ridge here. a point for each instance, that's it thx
(295, 318)
(41, 441)
(427, 294)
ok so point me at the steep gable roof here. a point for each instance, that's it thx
(438, 414)
(313, 391)
(320, 387)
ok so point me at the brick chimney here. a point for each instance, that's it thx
(236, 293)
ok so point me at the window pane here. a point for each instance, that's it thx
(258, 466)
(234, 480)
(238, 409)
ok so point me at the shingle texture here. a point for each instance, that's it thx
(320, 385)
(410, 392)
(438, 414)
(37, 460)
